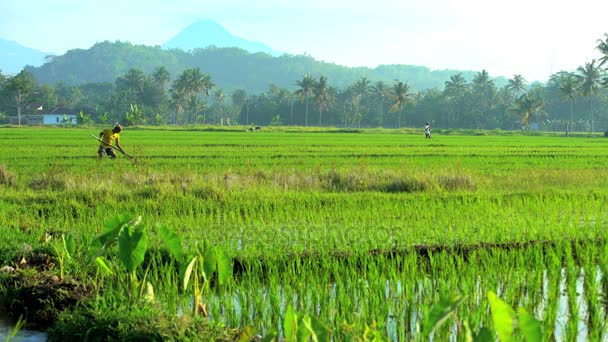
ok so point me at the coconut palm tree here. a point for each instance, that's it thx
(484, 92)
(590, 80)
(380, 93)
(206, 86)
(161, 77)
(517, 85)
(322, 96)
(568, 85)
(358, 91)
(133, 80)
(530, 106)
(178, 100)
(219, 97)
(602, 46)
(456, 90)
(240, 99)
(306, 85)
(400, 96)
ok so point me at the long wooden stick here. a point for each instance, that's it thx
(110, 146)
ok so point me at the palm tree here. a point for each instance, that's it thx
(400, 96)
(240, 99)
(484, 92)
(602, 45)
(218, 96)
(178, 99)
(529, 106)
(322, 96)
(380, 92)
(161, 77)
(517, 85)
(306, 85)
(590, 80)
(455, 90)
(482, 84)
(206, 86)
(134, 80)
(568, 85)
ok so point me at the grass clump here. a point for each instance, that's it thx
(134, 323)
(456, 182)
(405, 185)
(7, 177)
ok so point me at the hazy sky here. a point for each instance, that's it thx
(534, 38)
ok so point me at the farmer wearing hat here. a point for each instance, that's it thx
(107, 138)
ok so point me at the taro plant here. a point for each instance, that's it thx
(504, 319)
(440, 312)
(299, 326)
(198, 267)
(131, 239)
(302, 327)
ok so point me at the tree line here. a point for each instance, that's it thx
(569, 101)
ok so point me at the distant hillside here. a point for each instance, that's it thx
(13, 57)
(204, 33)
(229, 68)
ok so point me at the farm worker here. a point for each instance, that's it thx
(427, 131)
(108, 136)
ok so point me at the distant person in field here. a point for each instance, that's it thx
(427, 131)
(108, 137)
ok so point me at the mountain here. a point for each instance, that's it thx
(13, 57)
(229, 68)
(204, 33)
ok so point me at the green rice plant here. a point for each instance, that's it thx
(64, 252)
(15, 330)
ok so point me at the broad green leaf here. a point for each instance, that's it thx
(209, 259)
(502, 316)
(173, 242)
(246, 334)
(188, 272)
(440, 313)
(132, 245)
(529, 326)
(290, 324)
(270, 337)
(320, 332)
(103, 263)
(304, 328)
(116, 222)
(224, 265)
(111, 231)
(68, 245)
(484, 335)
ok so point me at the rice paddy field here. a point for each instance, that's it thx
(349, 235)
